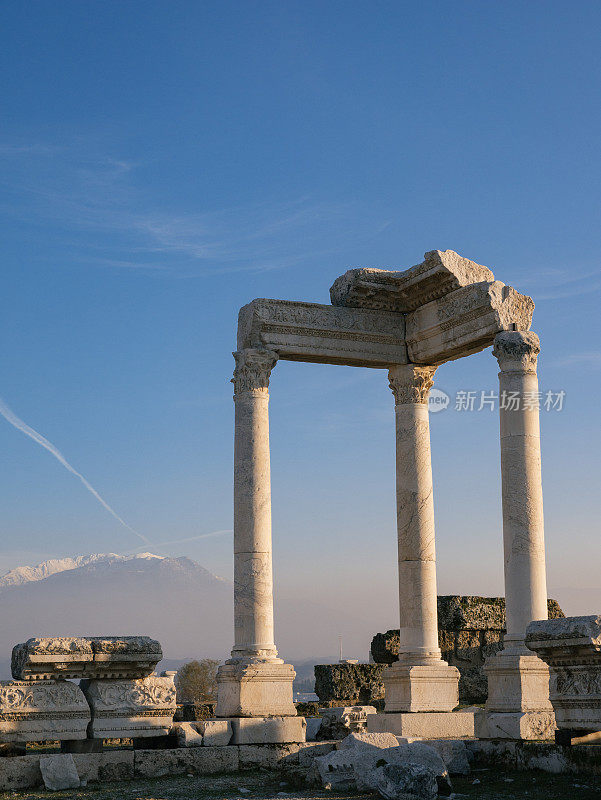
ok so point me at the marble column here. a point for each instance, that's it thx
(254, 682)
(518, 682)
(420, 680)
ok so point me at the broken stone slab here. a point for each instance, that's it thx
(32, 712)
(336, 723)
(313, 726)
(187, 735)
(59, 772)
(215, 732)
(399, 781)
(130, 708)
(353, 765)
(440, 273)
(571, 647)
(110, 657)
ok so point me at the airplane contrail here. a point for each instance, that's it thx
(156, 545)
(18, 423)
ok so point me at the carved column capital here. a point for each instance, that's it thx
(516, 351)
(253, 368)
(411, 383)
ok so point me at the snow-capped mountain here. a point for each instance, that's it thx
(175, 600)
(21, 575)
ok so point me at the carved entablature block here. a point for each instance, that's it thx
(313, 332)
(572, 649)
(443, 309)
(85, 657)
(403, 291)
(465, 322)
(33, 712)
(130, 708)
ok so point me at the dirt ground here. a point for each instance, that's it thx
(258, 785)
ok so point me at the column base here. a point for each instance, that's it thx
(260, 689)
(517, 683)
(518, 705)
(519, 725)
(412, 688)
(432, 725)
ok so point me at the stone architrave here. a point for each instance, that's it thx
(571, 647)
(326, 334)
(420, 680)
(518, 703)
(96, 657)
(130, 708)
(254, 682)
(32, 712)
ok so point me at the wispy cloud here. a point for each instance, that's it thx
(81, 194)
(22, 426)
(591, 358)
(558, 284)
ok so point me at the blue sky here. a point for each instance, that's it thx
(163, 163)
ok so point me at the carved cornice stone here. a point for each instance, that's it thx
(441, 272)
(252, 371)
(411, 383)
(516, 351)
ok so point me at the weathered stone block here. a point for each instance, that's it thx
(571, 647)
(269, 756)
(59, 772)
(215, 732)
(85, 657)
(31, 712)
(351, 684)
(183, 761)
(267, 730)
(260, 689)
(111, 765)
(432, 725)
(336, 723)
(130, 708)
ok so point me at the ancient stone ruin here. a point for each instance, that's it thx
(117, 696)
(470, 629)
(407, 323)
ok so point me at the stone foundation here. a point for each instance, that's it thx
(470, 630)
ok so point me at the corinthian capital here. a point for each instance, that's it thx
(253, 368)
(411, 383)
(516, 351)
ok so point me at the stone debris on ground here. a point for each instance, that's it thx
(357, 765)
(59, 772)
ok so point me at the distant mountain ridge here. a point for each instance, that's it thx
(175, 600)
(21, 575)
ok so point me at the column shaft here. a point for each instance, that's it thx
(415, 526)
(253, 582)
(420, 681)
(523, 526)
